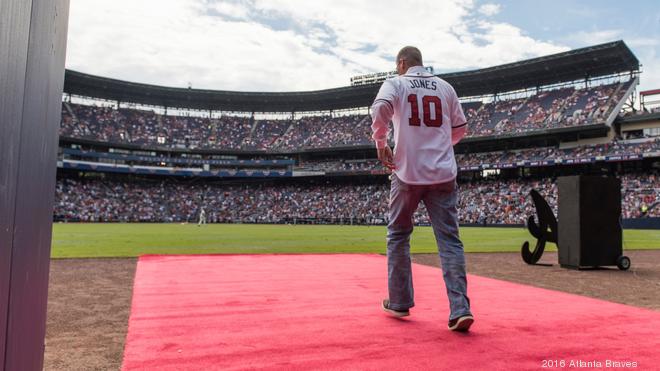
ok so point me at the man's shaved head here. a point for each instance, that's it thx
(410, 54)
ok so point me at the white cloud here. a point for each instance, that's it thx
(650, 77)
(586, 38)
(231, 9)
(642, 42)
(489, 10)
(280, 45)
(643, 47)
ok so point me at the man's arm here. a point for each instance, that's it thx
(458, 121)
(382, 111)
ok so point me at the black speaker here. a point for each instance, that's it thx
(589, 227)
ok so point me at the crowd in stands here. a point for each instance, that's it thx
(265, 134)
(94, 200)
(485, 201)
(326, 131)
(615, 148)
(340, 165)
(502, 202)
(546, 109)
(640, 192)
(147, 128)
(613, 151)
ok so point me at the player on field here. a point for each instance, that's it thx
(202, 217)
(428, 120)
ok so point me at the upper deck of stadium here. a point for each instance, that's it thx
(579, 64)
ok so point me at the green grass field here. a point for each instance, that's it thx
(127, 240)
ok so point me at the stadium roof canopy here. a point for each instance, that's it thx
(594, 61)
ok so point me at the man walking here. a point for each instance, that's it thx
(428, 120)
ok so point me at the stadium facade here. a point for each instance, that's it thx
(137, 152)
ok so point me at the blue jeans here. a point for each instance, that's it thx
(440, 201)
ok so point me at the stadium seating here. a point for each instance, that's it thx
(265, 134)
(547, 109)
(488, 201)
(492, 159)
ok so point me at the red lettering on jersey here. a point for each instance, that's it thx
(414, 119)
(414, 110)
(437, 105)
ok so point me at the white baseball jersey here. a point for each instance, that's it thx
(428, 120)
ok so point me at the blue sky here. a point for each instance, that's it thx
(578, 24)
(563, 19)
(583, 23)
(285, 45)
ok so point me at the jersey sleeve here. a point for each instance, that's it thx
(458, 121)
(382, 111)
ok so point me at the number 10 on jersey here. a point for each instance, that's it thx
(429, 102)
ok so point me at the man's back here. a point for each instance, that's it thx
(425, 109)
(428, 121)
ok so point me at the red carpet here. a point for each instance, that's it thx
(323, 312)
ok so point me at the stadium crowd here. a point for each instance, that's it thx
(325, 131)
(340, 165)
(493, 201)
(615, 148)
(546, 109)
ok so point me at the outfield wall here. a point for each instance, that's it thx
(642, 223)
